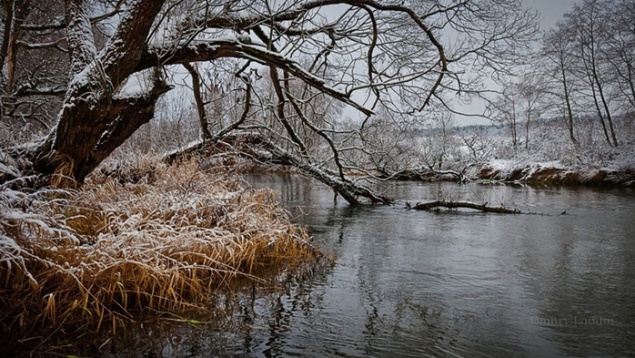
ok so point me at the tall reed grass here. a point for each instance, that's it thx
(99, 255)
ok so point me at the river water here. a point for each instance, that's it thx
(416, 284)
(407, 283)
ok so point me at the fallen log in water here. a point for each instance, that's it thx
(457, 204)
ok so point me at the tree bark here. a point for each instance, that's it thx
(94, 120)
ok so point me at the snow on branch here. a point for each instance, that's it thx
(209, 50)
(81, 41)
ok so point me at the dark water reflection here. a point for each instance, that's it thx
(416, 284)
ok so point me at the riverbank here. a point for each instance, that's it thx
(608, 168)
(530, 174)
(555, 174)
(98, 257)
(554, 160)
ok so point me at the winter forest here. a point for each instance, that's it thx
(127, 125)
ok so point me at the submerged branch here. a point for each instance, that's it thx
(457, 204)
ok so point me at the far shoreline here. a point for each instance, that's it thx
(529, 174)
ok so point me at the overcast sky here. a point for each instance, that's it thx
(551, 10)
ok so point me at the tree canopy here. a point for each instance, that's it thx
(290, 62)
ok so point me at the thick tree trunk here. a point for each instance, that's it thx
(95, 119)
(84, 147)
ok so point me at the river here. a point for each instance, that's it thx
(415, 284)
(408, 283)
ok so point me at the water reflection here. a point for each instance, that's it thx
(470, 284)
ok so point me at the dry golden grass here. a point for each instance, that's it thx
(100, 255)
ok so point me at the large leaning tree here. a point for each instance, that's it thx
(405, 59)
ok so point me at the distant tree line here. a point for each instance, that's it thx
(585, 67)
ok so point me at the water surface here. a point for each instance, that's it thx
(414, 284)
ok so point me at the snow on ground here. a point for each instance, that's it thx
(8, 167)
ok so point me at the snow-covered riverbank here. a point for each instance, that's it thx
(554, 173)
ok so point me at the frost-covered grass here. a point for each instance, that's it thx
(100, 255)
